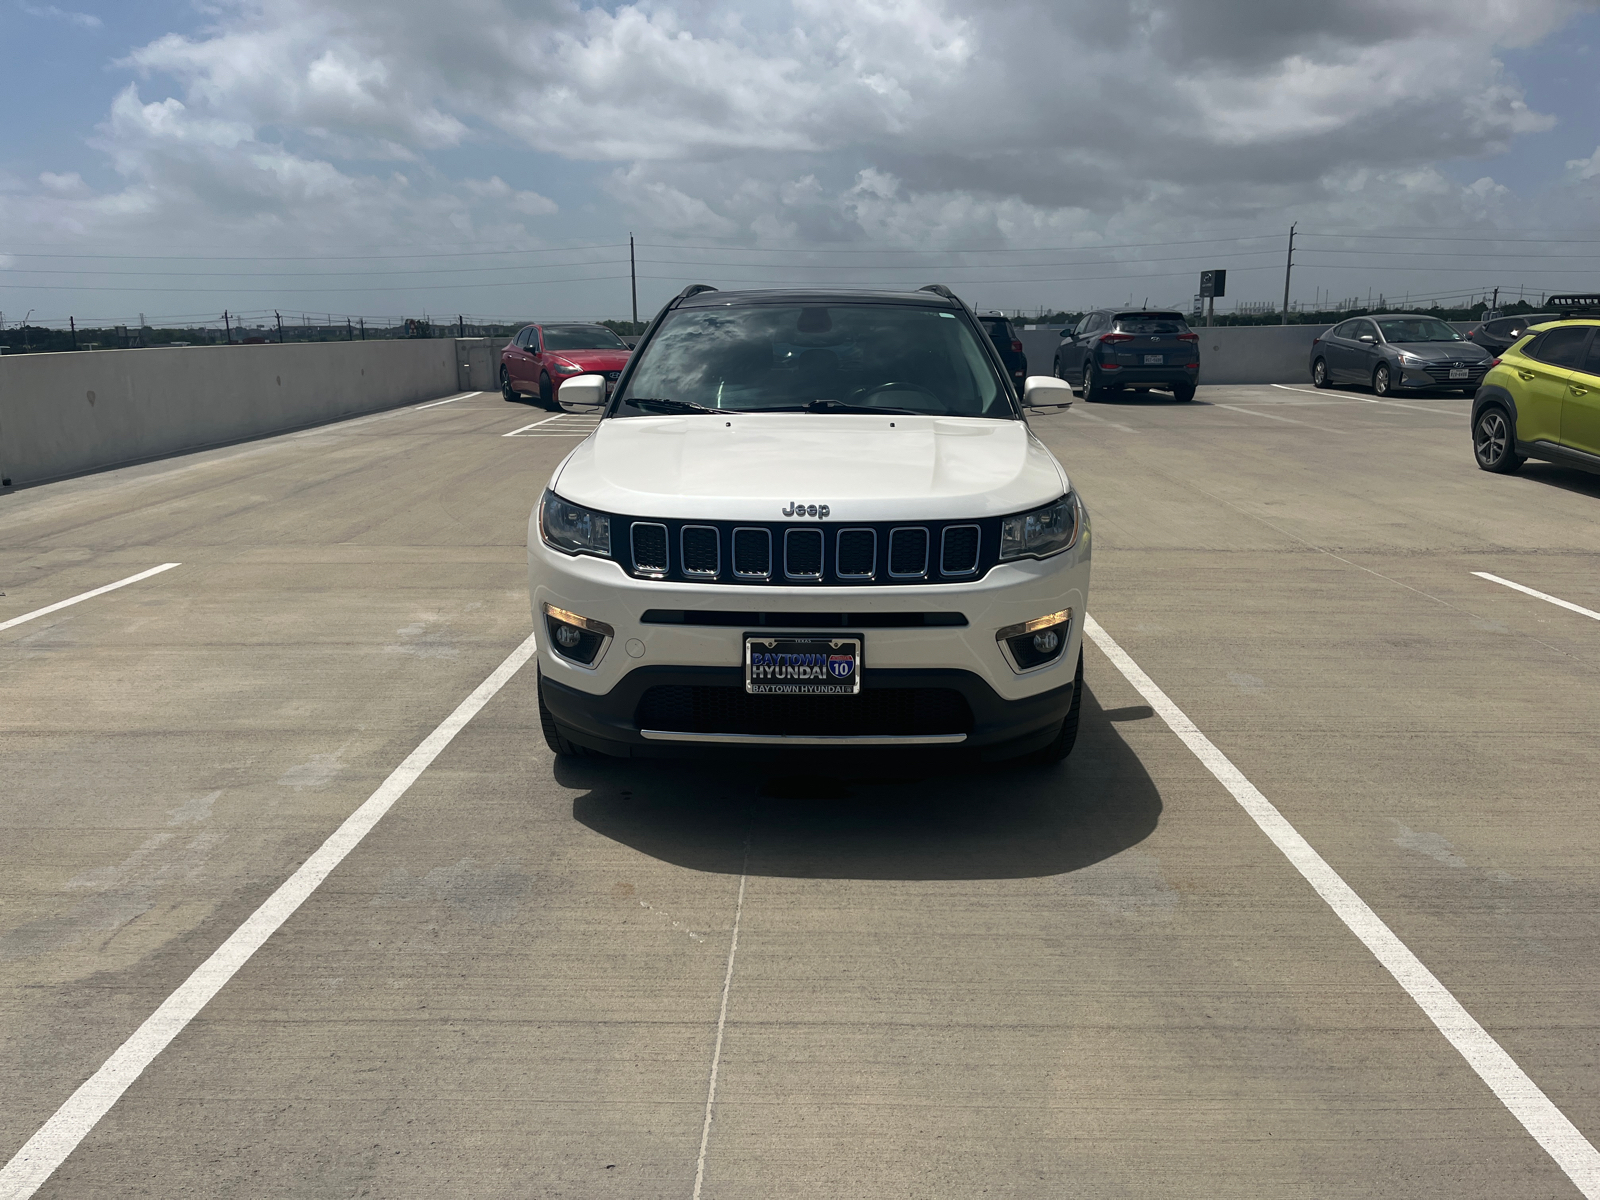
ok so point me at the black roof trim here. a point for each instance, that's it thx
(694, 289)
(938, 289)
(816, 295)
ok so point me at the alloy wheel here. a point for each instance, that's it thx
(1491, 438)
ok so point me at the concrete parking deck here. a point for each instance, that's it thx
(1097, 980)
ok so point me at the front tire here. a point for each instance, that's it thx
(547, 391)
(507, 392)
(1494, 441)
(1382, 381)
(1067, 736)
(1319, 374)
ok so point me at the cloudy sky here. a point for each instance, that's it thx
(490, 157)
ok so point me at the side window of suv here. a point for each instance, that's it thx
(1591, 364)
(1561, 347)
(1083, 326)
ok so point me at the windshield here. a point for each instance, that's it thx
(1417, 329)
(889, 357)
(581, 337)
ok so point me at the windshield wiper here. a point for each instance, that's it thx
(671, 405)
(842, 406)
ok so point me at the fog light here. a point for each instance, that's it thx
(1036, 643)
(581, 639)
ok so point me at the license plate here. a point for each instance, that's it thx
(1460, 373)
(802, 666)
(1154, 360)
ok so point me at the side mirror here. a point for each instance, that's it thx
(583, 391)
(1368, 339)
(1046, 391)
(1067, 335)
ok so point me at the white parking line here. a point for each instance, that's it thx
(585, 422)
(1549, 1126)
(1368, 400)
(78, 599)
(1588, 612)
(1092, 417)
(1250, 412)
(59, 1136)
(446, 400)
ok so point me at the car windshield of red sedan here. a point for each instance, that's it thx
(840, 358)
(1417, 329)
(581, 337)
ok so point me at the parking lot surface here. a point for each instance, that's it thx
(646, 979)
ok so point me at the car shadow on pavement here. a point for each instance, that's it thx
(885, 820)
(1571, 479)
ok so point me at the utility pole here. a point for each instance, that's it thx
(73, 322)
(1495, 303)
(633, 280)
(363, 329)
(461, 326)
(1288, 266)
(349, 331)
(279, 316)
(226, 328)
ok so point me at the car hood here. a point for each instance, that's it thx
(1443, 351)
(594, 360)
(751, 466)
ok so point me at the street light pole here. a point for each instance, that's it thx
(633, 281)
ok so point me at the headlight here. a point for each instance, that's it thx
(1043, 532)
(575, 530)
(564, 368)
(1411, 360)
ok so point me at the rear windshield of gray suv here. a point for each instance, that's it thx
(890, 357)
(1155, 323)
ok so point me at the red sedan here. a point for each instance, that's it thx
(541, 357)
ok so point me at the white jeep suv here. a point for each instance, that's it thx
(811, 519)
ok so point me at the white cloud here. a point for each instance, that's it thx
(1585, 168)
(82, 20)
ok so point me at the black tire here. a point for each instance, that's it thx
(1057, 371)
(1067, 736)
(1494, 441)
(553, 737)
(1093, 389)
(1382, 380)
(547, 390)
(507, 392)
(1183, 392)
(1319, 374)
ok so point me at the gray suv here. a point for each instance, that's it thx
(1122, 350)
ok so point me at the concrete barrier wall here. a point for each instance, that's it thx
(1228, 353)
(65, 414)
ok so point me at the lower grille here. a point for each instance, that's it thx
(872, 712)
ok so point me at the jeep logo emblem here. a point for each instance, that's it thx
(797, 509)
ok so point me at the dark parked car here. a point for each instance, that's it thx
(543, 357)
(1006, 341)
(1114, 350)
(1500, 334)
(1394, 352)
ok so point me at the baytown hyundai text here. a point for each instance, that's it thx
(806, 520)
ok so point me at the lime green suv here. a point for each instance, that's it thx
(1541, 398)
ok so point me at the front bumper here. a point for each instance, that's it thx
(619, 723)
(600, 703)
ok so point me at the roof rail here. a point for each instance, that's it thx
(694, 289)
(1567, 305)
(939, 289)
